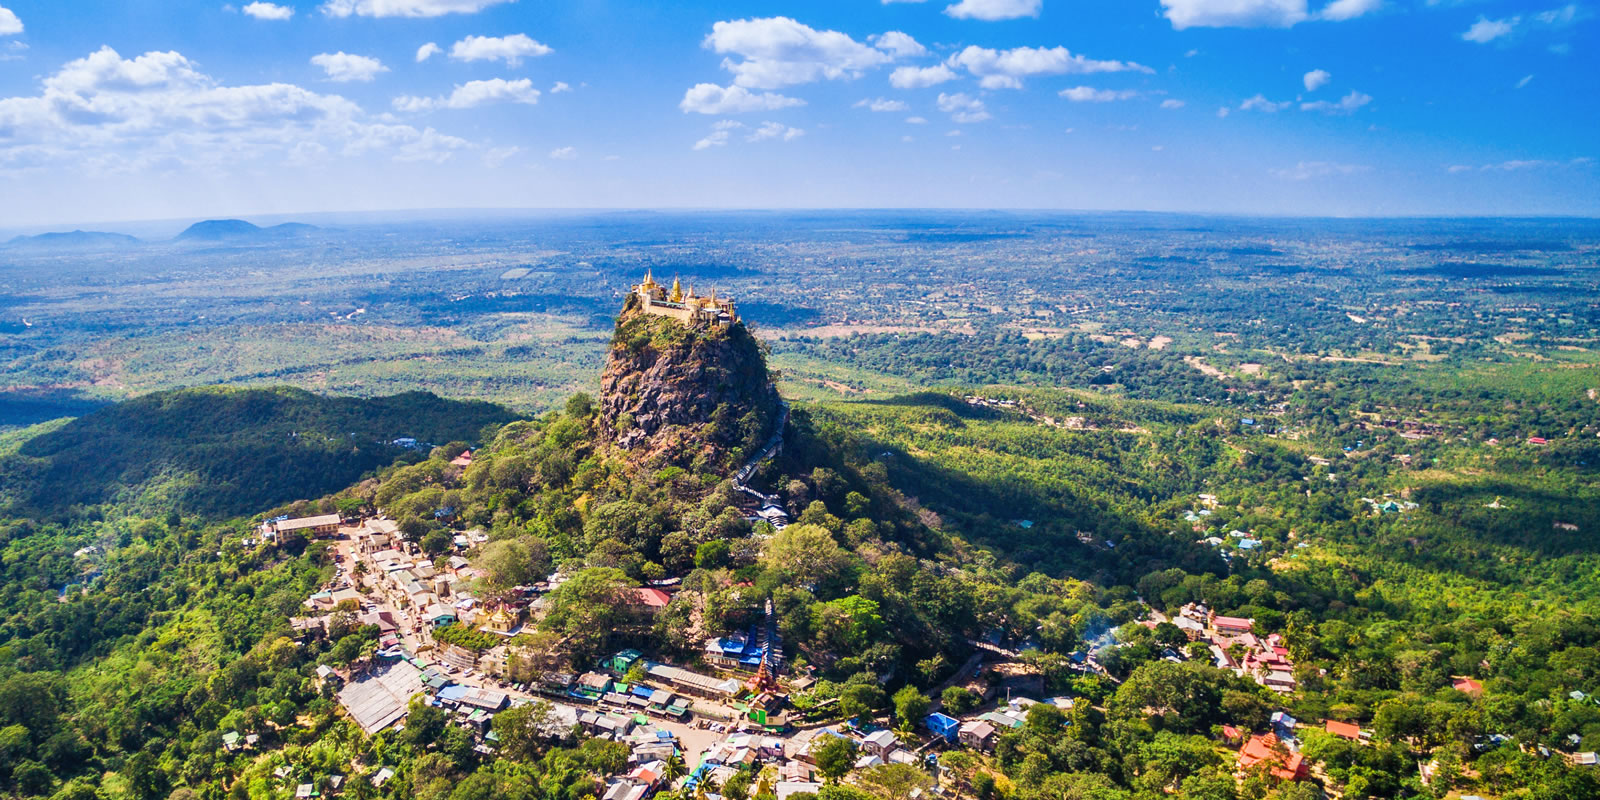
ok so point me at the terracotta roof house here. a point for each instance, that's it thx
(1462, 683)
(1345, 730)
(1265, 752)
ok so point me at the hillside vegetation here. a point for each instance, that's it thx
(223, 452)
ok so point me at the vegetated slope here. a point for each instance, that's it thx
(686, 396)
(219, 452)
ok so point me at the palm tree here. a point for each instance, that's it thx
(674, 768)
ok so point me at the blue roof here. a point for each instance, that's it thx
(641, 691)
(455, 692)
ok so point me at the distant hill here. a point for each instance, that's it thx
(74, 239)
(219, 451)
(222, 230)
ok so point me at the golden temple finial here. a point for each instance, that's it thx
(677, 291)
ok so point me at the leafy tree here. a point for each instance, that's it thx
(522, 729)
(436, 542)
(807, 554)
(959, 699)
(910, 706)
(861, 699)
(895, 781)
(835, 757)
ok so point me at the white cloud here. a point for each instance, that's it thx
(1222, 113)
(428, 51)
(1559, 17)
(496, 156)
(343, 67)
(1307, 170)
(1317, 78)
(9, 24)
(1261, 103)
(1525, 81)
(1486, 30)
(405, 8)
(564, 153)
(1005, 69)
(882, 104)
(917, 120)
(1234, 13)
(719, 134)
(473, 94)
(510, 49)
(1517, 165)
(920, 77)
(991, 10)
(103, 114)
(271, 11)
(1346, 105)
(1170, 104)
(774, 130)
(962, 108)
(709, 98)
(1341, 10)
(560, 86)
(1089, 94)
(773, 52)
(898, 44)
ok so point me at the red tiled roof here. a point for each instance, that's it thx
(1260, 750)
(654, 598)
(1345, 729)
(1232, 622)
(1467, 685)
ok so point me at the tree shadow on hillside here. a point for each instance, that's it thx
(222, 452)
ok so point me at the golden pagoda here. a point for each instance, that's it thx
(684, 306)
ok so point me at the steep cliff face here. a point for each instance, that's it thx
(694, 397)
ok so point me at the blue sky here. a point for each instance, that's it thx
(145, 109)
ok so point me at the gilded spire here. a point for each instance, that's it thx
(677, 291)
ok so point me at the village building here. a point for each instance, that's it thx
(694, 683)
(316, 527)
(944, 726)
(977, 734)
(1267, 752)
(1231, 626)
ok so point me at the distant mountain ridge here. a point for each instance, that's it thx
(219, 230)
(66, 239)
